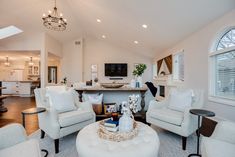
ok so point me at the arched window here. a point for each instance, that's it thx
(222, 70)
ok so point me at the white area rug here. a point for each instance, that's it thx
(170, 144)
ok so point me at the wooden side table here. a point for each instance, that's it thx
(31, 111)
(200, 113)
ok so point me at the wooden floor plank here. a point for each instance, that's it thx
(15, 105)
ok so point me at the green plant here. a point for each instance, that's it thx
(139, 69)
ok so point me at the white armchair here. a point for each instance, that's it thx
(14, 142)
(182, 123)
(222, 141)
(57, 125)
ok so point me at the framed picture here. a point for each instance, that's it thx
(109, 108)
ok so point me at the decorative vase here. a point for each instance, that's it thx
(133, 83)
(139, 80)
(125, 123)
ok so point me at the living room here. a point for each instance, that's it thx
(198, 40)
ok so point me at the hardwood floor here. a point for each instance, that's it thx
(15, 105)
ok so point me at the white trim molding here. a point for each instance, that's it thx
(221, 100)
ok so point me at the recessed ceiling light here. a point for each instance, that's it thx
(9, 31)
(98, 20)
(136, 42)
(144, 26)
(103, 36)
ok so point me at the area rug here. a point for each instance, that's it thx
(170, 144)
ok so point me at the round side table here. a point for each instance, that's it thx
(200, 113)
(30, 111)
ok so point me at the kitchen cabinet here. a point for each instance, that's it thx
(12, 87)
(33, 70)
(25, 89)
(19, 88)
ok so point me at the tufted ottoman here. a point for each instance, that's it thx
(145, 144)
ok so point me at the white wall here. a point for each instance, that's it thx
(196, 48)
(100, 52)
(53, 46)
(72, 60)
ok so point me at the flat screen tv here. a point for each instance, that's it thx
(115, 69)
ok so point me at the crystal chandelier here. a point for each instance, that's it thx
(54, 20)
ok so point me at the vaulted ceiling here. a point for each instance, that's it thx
(169, 21)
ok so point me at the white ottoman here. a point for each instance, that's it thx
(145, 144)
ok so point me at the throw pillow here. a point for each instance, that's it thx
(62, 101)
(179, 100)
(94, 98)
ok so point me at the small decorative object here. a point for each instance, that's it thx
(109, 108)
(89, 83)
(133, 99)
(127, 119)
(96, 80)
(138, 71)
(64, 80)
(114, 116)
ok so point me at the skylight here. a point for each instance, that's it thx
(9, 31)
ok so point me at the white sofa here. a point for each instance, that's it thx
(181, 123)
(222, 141)
(14, 142)
(57, 125)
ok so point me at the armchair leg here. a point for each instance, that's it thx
(184, 142)
(42, 134)
(56, 141)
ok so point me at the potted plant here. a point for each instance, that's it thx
(138, 71)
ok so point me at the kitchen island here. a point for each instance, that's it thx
(20, 88)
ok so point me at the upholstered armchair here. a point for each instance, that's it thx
(59, 124)
(14, 142)
(222, 141)
(177, 121)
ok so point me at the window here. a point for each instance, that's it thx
(178, 66)
(223, 68)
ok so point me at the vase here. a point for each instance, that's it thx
(125, 123)
(133, 83)
(139, 80)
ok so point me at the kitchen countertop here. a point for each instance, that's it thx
(26, 81)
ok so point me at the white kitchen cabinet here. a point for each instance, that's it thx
(33, 70)
(11, 88)
(25, 89)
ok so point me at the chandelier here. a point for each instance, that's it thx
(31, 61)
(7, 63)
(54, 20)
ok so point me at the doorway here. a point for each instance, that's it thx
(52, 74)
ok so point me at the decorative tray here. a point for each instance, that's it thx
(111, 85)
(116, 136)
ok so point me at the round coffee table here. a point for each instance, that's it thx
(200, 113)
(89, 144)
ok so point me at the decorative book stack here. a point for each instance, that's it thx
(111, 125)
